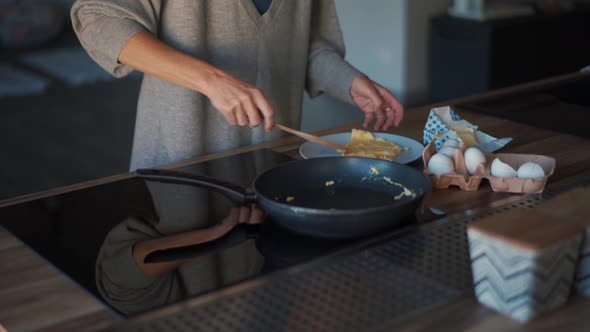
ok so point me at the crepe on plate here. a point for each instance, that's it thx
(364, 144)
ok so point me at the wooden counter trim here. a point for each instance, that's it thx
(35, 295)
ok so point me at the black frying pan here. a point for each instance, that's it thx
(300, 196)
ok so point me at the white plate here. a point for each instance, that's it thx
(313, 150)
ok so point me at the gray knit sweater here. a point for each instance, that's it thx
(295, 45)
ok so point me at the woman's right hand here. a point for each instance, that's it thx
(251, 214)
(239, 102)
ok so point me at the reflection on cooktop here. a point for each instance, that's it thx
(141, 245)
(141, 267)
(131, 285)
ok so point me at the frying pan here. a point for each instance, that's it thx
(330, 197)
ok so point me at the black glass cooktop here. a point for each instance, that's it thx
(141, 245)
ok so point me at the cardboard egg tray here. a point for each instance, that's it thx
(461, 178)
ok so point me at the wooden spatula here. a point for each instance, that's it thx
(311, 138)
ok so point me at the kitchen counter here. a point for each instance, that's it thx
(35, 296)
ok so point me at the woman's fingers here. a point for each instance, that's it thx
(247, 112)
(233, 217)
(368, 98)
(244, 215)
(380, 120)
(377, 103)
(368, 119)
(253, 110)
(378, 107)
(256, 214)
(389, 118)
(394, 109)
(230, 117)
(253, 114)
(241, 116)
(249, 214)
(263, 106)
(240, 103)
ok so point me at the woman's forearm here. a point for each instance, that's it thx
(144, 248)
(148, 54)
(239, 102)
(244, 214)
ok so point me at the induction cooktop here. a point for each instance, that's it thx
(120, 240)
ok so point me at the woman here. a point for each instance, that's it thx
(211, 65)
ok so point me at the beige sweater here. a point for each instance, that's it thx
(295, 45)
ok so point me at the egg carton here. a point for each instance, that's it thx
(461, 178)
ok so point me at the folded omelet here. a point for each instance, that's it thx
(364, 144)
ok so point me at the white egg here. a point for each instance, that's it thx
(473, 158)
(448, 151)
(440, 164)
(530, 170)
(451, 142)
(502, 170)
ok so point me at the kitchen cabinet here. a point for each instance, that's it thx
(467, 57)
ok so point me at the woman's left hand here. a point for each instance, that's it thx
(377, 103)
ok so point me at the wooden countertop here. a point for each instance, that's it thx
(35, 296)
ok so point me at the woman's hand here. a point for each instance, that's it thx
(377, 103)
(251, 214)
(239, 102)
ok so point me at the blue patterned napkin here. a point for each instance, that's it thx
(439, 124)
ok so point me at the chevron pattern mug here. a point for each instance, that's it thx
(583, 271)
(519, 282)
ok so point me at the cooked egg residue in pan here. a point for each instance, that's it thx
(406, 192)
(373, 172)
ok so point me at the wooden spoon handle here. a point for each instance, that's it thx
(311, 138)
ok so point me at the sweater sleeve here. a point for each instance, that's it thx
(105, 26)
(327, 71)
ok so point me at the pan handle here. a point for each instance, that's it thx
(235, 193)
